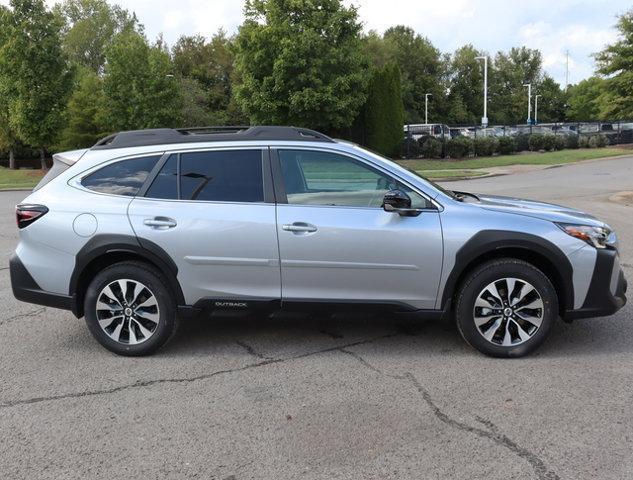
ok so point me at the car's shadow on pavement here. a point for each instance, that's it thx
(293, 334)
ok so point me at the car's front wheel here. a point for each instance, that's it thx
(506, 307)
(129, 309)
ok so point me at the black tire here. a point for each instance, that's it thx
(150, 278)
(477, 280)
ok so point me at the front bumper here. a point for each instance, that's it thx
(607, 291)
(26, 289)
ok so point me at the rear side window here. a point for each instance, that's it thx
(165, 185)
(121, 178)
(222, 176)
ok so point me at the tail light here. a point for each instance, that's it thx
(27, 214)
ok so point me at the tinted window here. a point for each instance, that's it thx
(165, 185)
(229, 176)
(121, 178)
(322, 178)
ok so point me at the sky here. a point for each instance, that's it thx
(553, 26)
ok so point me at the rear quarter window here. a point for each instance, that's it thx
(125, 177)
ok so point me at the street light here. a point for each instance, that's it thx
(529, 116)
(426, 107)
(484, 119)
(536, 97)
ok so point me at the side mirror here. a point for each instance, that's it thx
(396, 201)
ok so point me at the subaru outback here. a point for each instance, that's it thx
(148, 228)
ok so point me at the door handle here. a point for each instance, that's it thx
(299, 227)
(160, 222)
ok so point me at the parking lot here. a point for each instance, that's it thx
(325, 398)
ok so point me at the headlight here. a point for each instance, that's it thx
(599, 237)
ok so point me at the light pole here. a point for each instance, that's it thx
(529, 118)
(484, 119)
(426, 107)
(536, 97)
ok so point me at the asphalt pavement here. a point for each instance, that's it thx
(310, 397)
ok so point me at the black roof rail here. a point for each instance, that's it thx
(160, 136)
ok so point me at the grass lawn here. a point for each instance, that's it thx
(24, 178)
(444, 174)
(548, 158)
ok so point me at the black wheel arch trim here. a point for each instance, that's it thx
(102, 245)
(489, 242)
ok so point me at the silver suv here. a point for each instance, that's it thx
(149, 227)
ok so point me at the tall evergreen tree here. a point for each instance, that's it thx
(384, 111)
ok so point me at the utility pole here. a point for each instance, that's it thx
(426, 107)
(536, 97)
(567, 70)
(484, 119)
(529, 115)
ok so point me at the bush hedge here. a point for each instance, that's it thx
(507, 145)
(459, 147)
(431, 148)
(536, 142)
(486, 146)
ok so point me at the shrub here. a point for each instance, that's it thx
(432, 148)
(459, 147)
(583, 141)
(599, 141)
(507, 145)
(522, 141)
(560, 142)
(572, 141)
(549, 142)
(536, 142)
(486, 146)
(410, 148)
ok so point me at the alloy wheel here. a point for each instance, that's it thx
(508, 312)
(127, 311)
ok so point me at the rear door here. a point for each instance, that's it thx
(213, 213)
(336, 242)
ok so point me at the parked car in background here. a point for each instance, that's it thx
(419, 130)
(148, 227)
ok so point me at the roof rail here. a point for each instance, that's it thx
(160, 136)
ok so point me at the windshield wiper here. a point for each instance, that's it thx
(461, 195)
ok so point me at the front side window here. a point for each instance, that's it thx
(324, 178)
(222, 176)
(125, 177)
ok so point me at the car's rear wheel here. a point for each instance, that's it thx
(506, 307)
(130, 310)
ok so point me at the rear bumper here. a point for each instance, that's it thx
(26, 289)
(607, 291)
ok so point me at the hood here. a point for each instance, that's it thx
(542, 210)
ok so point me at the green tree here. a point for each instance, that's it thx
(82, 127)
(466, 86)
(210, 65)
(423, 71)
(507, 95)
(584, 100)
(616, 63)
(8, 138)
(301, 62)
(89, 27)
(552, 104)
(384, 111)
(140, 90)
(35, 74)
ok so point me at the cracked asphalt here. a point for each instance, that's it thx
(312, 397)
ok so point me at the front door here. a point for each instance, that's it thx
(212, 213)
(337, 243)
